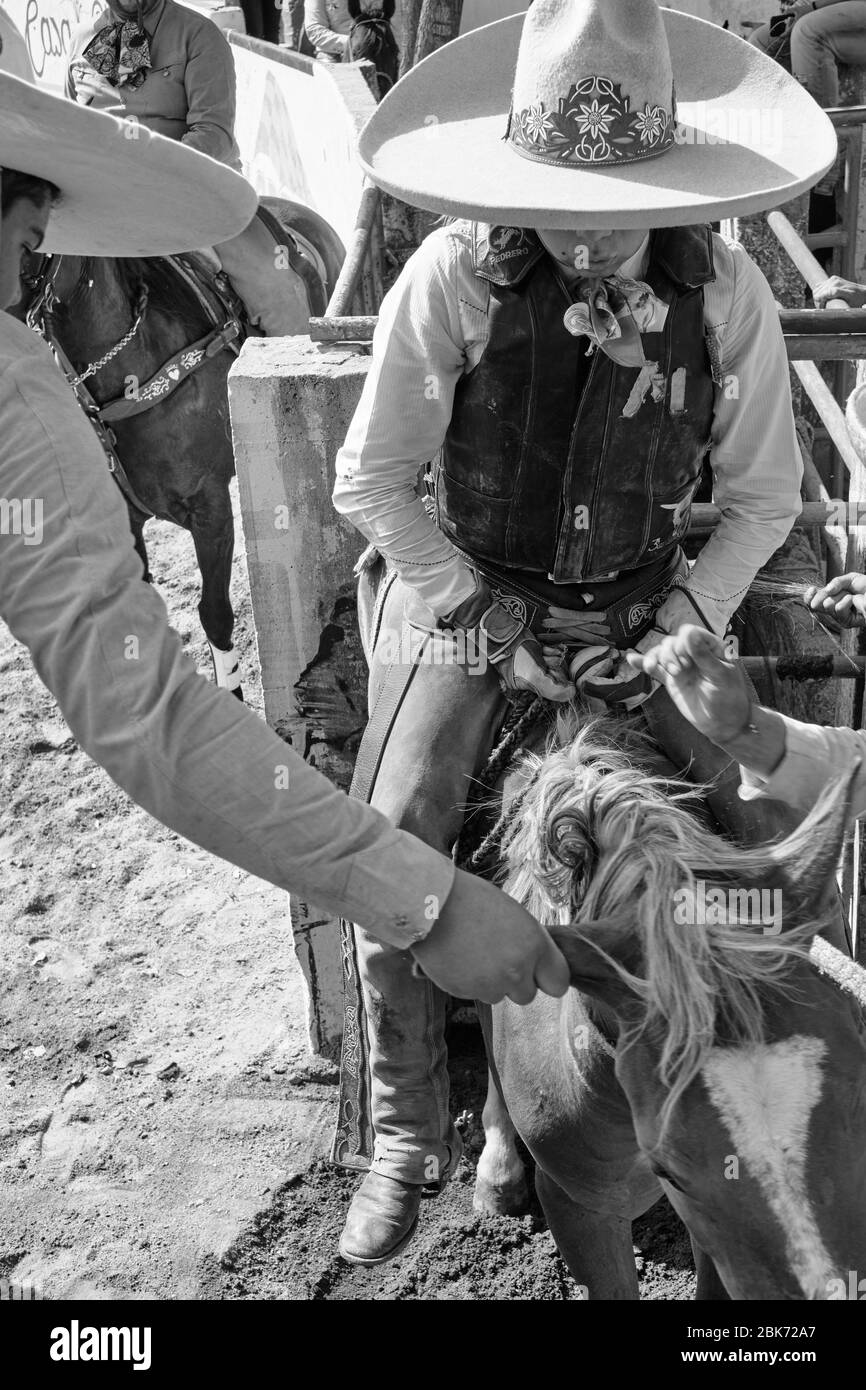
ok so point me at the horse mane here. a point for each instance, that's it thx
(167, 292)
(642, 841)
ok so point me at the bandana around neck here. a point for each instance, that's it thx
(613, 313)
(121, 53)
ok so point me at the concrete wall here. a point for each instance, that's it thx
(291, 403)
(296, 124)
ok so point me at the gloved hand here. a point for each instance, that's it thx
(610, 677)
(518, 656)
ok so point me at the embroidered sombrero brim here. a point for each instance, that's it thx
(125, 191)
(750, 138)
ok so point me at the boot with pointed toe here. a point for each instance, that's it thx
(382, 1220)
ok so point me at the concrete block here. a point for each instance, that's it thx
(291, 402)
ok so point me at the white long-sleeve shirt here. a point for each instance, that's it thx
(814, 756)
(72, 590)
(327, 23)
(433, 326)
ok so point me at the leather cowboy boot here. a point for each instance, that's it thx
(383, 1218)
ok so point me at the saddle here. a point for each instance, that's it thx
(303, 259)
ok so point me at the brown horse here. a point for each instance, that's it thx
(149, 344)
(716, 1055)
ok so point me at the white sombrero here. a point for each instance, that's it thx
(622, 115)
(125, 191)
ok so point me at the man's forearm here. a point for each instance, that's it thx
(760, 745)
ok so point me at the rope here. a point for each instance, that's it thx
(504, 754)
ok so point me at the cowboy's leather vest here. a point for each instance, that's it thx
(541, 469)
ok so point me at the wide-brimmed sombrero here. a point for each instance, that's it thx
(125, 191)
(597, 113)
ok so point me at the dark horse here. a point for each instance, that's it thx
(372, 37)
(148, 345)
(713, 1046)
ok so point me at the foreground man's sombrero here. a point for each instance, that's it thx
(597, 113)
(124, 191)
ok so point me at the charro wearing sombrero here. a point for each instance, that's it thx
(565, 356)
(72, 587)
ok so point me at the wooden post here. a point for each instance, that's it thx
(438, 23)
(411, 15)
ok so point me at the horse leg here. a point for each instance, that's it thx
(597, 1248)
(136, 522)
(500, 1181)
(213, 535)
(710, 1286)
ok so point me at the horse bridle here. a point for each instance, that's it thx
(375, 18)
(182, 364)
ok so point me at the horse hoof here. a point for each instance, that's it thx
(512, 1199)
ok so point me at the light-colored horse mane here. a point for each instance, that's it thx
(642, 841)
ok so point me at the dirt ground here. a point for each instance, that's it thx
(163, 1130)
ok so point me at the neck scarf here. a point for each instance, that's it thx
(613, 313)
(121, 52)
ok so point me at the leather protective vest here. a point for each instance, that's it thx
(541, 469)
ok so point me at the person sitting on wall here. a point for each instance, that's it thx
(170, 68)
(824, 33)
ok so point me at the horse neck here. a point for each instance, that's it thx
(97, 312)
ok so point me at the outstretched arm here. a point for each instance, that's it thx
(72, 590)
(780, 757)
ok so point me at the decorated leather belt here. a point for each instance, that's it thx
(627, 618)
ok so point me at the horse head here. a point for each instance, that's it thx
(372, 38)
(739, 1034)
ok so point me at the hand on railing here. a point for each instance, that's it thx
(837, 293)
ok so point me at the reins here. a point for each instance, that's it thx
(40, 317)
(474, 854)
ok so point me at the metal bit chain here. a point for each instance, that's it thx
(103, 361)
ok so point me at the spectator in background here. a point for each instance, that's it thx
(262, 19)
(328, 24)
(824, 33)
(164, 64)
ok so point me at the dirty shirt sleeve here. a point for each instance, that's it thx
(814, 756)
(754, 452)
(419, 354)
